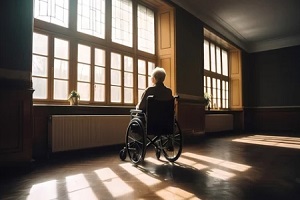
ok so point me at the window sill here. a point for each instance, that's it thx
(215, 111)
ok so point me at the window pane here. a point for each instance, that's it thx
(214, 94)
(115, 61)
(61, 69)
(146, 34)
(56, 12)
(141, 67)
(218, 93)
(140, 92)
(212, 58)
(60, 89)
(61, 48)
(218, 56)
(208, 82)
(128, 64)
(91, 17)
(84, 54)
(115, 94)
(141, 82)
(206, 55)
(115, 77)
(224, 63)
(40, 44)
(122, 22)
(39, 66)
(99, 57)
(99, 93)
(99, 75)
(141, 74)
(128, 79)
(151, 66)
(223, 94)
(41, 88)
(128, 95)
(84, 91)
(83, 72)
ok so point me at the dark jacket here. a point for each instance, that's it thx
(160, 92)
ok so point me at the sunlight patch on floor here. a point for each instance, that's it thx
(143, 177)
(46, 190)
(224, 163)
(114, 184)
(275, 141)
(175, 193)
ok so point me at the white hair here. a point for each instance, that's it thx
(159, 74)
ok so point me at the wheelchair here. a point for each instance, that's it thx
(156, 127)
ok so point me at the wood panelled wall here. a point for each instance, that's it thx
(166, 45)
(271, 90)
(16, 130)
(235, 79)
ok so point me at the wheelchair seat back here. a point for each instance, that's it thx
(160, 116)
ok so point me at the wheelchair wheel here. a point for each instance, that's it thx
(136, 141)
(172, 144)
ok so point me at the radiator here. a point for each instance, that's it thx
(72, 132)
(218, 122)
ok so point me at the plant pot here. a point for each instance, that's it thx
(74, 101)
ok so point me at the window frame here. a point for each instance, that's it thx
(74, 37)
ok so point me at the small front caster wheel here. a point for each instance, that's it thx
(122, 154)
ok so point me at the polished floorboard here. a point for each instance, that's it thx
(231, 166)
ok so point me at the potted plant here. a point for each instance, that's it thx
(207, 99)
(74, 98)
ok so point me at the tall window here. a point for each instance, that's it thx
(216, 78)
(92, 54)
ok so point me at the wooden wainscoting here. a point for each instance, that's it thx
(272, 119)
(16, 127)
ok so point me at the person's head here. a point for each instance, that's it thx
(158, 75)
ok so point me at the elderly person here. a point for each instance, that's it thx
(159, 90)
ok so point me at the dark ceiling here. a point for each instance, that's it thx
(254, 25)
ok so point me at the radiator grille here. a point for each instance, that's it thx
(71, 132)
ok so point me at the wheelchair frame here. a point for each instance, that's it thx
(155, 127)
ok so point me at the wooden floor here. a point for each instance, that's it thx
(228, 166)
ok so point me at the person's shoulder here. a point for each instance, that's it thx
(149, 89)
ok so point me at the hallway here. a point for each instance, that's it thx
(226, 166)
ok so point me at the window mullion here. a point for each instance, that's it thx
(92, 81)
(51, 68)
